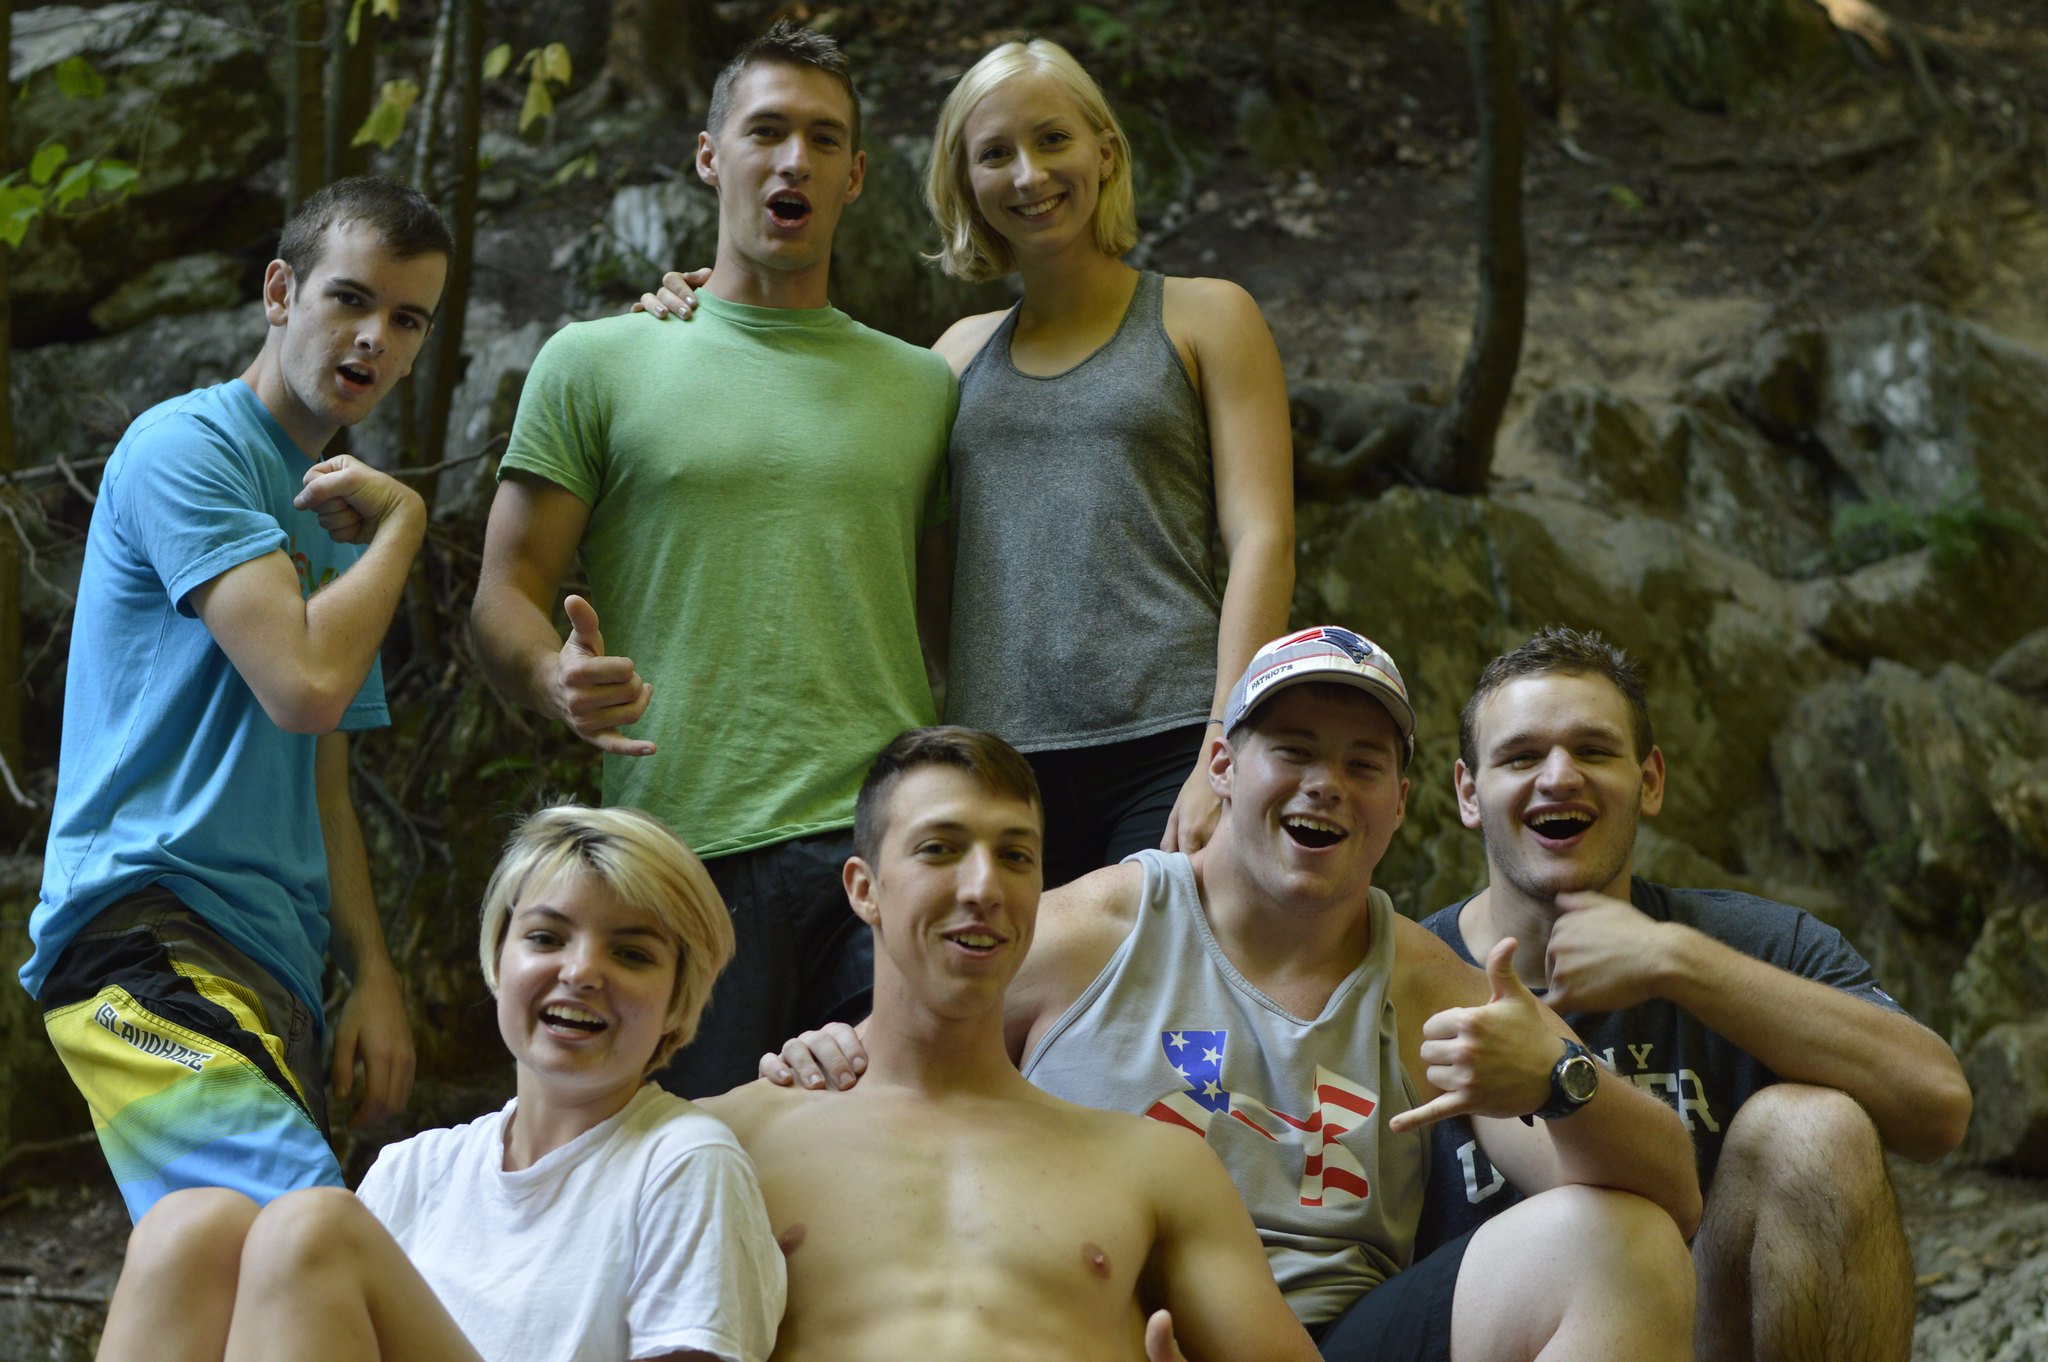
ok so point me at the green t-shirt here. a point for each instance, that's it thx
(758, 479)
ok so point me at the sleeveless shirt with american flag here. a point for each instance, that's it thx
(1295, 1107)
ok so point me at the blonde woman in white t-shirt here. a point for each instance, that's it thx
(594, 1217)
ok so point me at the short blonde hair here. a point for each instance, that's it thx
(968, 247)
(637, 858)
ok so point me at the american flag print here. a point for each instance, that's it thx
(1331, 1174)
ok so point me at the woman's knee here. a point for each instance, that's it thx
(199, 1229)
(310, 1230)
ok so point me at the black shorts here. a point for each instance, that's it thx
(1406, 1318)
(802, 959)
(1103, 803)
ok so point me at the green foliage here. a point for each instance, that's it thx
(386, 122)
(387, 8)
(1626, 197)
(76, 79)
(1131, 44)
(1958, 529)
(55, 183)
(544, 66)
(497, 60)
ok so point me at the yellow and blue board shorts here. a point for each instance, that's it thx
(201, 1070)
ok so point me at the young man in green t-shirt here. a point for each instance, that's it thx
(750, 496)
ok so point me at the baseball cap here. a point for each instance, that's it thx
(1326, 653)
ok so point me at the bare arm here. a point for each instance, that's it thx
(1251, 446)
(1494, 1060)
(305, 659)
(1606, 954)
(373, 1029)
(534, 530)
(1208, 1267)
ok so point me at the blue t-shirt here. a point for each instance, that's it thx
(170, 772)
(1657, 1044)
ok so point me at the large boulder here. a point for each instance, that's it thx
(1447, 582)
(189, 101)
(1892, 783)
(2008, 1072)
(1932, 412)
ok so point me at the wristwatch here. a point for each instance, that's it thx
(1572, 1083)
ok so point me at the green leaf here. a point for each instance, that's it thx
(48, 157)
(554, 64)
(496, 60)
(539, 103)
(387, 8)
(20, 205)
(584, 166)
(1626, 197)
(111, 176)
(76, 79)
(386, 123)
(354, 27)
(71, 185)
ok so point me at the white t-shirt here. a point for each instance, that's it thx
(644, 1235)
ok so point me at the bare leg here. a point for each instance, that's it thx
(177, 1288)
(1801, 1255)
(1575, 1273)
(322, 1280)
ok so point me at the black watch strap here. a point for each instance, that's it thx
(1573, 1081)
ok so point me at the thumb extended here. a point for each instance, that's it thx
(583, 630)
(1500, 972)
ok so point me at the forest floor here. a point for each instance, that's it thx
(1660, 238)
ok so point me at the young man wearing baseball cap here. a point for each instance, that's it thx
(1264, 994)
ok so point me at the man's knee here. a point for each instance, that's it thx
(1791, 1138)
(1575, 1240)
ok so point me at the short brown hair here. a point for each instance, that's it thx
(1556, 648)
(791, 44)
(408, 224)
(986, 757)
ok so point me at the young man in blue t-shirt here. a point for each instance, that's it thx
(235, 591)
(1792, 1069)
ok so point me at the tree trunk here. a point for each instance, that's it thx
(351, 87)
(658, 50)
(1457, 452)
(10, 552)
(305, 114)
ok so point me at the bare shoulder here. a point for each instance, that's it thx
(1204, 306)
(963, 339)
(1096, 911)
(1428, 975)
(1080, 926)
(751, 1108)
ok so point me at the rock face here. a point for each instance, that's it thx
(189, 101)
(2008, 1068)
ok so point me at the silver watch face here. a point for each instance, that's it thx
(1579, 1078)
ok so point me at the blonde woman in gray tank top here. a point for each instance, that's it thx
(1112, 426)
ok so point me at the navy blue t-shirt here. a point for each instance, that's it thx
(1657, 1045)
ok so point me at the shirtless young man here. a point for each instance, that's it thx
(1265, 975)
(948, 1208)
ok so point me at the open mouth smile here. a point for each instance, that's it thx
(1558, 828)
(1040, 208)
(1312, 832)
(978, 942)
(358, 378)
(569, 1017)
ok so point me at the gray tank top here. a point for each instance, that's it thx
(1296, 1108)
(1084, 588)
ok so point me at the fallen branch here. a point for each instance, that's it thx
(61, 1144)
(55, 1295)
